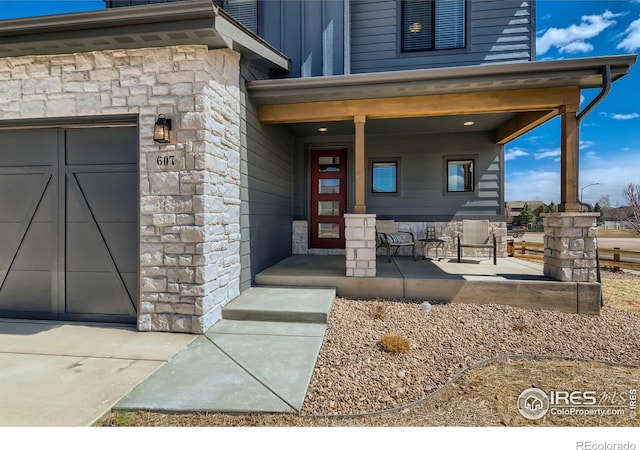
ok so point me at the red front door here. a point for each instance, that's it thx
(328, 198)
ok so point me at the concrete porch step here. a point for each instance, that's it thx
(279, 304)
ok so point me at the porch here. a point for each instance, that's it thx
(511, 282)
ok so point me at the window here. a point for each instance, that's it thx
(432, 24)
(460, 175)
(244, 11)
(384, 177)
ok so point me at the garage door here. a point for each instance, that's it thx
(68, 224)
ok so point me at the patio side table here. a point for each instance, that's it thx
(431, 241)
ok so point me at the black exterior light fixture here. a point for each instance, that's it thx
(162, 130)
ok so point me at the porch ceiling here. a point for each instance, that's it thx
(440, 124)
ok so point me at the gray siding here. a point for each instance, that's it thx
(497, 31)
(310, 32)
(422, 195)
(422, 178)
(266, 193)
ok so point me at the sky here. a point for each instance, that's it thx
(609, 135)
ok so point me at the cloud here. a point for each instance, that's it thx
(581, 98)
(613, 174)
(618, 116)
(547, 154)
(632, 40)
(514, 153)
(591, 155)
(585, 144)
(573, 38)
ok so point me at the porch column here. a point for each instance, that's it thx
(360, 244)
(360, 207)
(569, 160)
(570, 243)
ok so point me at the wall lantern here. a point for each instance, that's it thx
(162, 130)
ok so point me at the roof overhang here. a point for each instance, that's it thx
(158, 25)
(530, 94)
(581, 73)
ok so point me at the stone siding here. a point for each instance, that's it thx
(360, 245)
(570, 243)
(189, 213)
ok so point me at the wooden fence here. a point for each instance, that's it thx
(619, 258)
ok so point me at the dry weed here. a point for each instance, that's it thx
(395, 344)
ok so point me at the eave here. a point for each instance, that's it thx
(197, 22)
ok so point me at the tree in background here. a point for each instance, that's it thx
(526, 215)
(540, 211)
(599, 209)
(553, 208)
(630, 215)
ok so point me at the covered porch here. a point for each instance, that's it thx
(511, 282)
(421, 123)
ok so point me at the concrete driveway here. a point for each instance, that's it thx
(70, 374)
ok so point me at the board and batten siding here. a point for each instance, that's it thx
(310, 32)
(497, 31)
(266, 177)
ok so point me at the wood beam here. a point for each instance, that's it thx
(422, 106)
(521, 124)
(569, 159)
(360, 206)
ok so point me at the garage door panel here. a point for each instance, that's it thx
(20, 194)
(28, 148)
(37, 249)
(96, 293)
(27, 290)
(10, 233)
(121, 239)
(131, 280)
(84, 249)
(109, 195)
(87, 146)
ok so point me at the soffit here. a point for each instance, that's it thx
(583, 73)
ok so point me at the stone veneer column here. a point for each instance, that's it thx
(360, 244)
(570, 246)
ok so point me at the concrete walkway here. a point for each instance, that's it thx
(259, 358)
(70, 374)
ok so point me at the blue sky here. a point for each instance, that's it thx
(609, 135)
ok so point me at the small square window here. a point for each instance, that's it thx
(460, 175)
(384, 176)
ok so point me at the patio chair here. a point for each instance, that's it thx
(388, 236)
(476, 234)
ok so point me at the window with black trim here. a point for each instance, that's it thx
(460, 175)
(432, 25)
(384, 177)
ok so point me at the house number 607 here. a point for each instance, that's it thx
(168, 160)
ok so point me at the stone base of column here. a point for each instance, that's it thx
(360, 244)
(570, 243)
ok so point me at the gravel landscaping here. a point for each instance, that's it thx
(355, 375)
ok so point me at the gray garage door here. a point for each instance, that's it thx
(68, 224)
